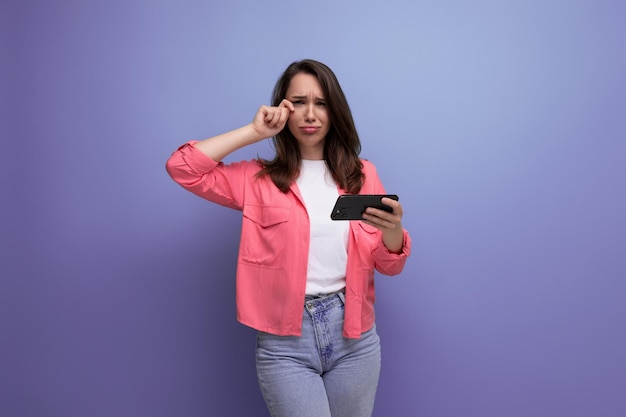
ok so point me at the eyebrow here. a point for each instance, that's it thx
(305, 97)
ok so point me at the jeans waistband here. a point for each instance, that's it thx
(325, 301)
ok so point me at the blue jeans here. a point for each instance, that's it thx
(321, 373)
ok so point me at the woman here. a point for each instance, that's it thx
(304, 282)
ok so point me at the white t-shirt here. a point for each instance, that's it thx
(328, 248)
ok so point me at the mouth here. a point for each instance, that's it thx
(309, 129)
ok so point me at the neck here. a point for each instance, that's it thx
(314, 153)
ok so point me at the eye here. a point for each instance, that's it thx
(298, 102)
(321, 103)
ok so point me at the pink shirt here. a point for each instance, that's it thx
(273, 250)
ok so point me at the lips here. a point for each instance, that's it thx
(309, 130)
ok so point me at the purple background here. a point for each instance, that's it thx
(501, 124)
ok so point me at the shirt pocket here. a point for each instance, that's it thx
(368, 238)
(263, 236)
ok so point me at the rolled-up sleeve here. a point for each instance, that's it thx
(390, 263)
(220, 183)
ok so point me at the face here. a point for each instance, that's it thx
(309, 123)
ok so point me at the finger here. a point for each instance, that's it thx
(266, 112)
(380, 213)
(284, 116)
(271, 117)
(383, 218)
(390, 202)
(280, 117)
(378, 223)
(394, 204)
(287, 104)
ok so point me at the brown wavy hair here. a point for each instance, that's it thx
(341, 145)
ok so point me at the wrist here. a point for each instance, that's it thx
(394, 240)
(250, 135)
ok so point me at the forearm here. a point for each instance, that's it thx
(267, 122)
(217, 147)
(393, 239)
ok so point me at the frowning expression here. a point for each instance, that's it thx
(310, 122)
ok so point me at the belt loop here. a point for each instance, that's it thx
(342, 297)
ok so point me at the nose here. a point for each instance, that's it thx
(310, 112)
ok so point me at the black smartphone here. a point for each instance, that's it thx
(352, 206)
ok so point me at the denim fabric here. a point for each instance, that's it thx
(320, 373)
